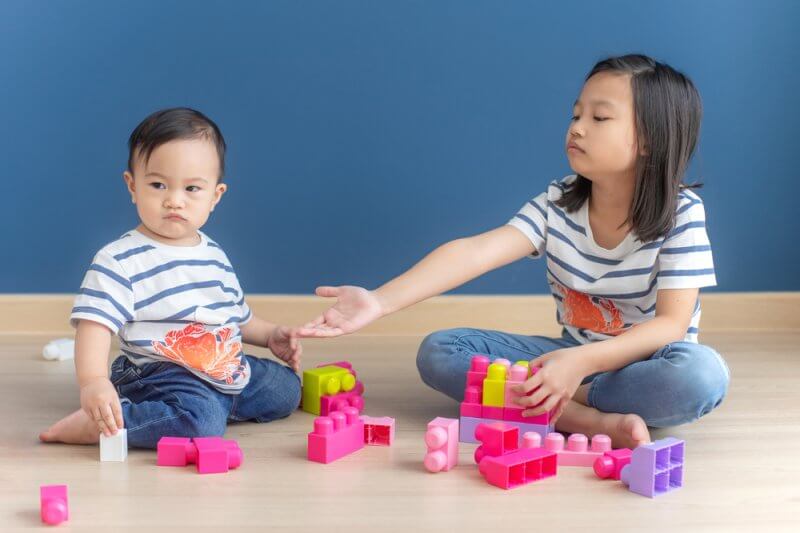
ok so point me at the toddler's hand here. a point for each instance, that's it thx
(284, 344)
(100, 400)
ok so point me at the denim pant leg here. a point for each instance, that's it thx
(444, 356)
(679, 383)
(165, 399)
(273, 392)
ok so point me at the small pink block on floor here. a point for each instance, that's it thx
(577, 451)
(378, 431)
(442, 442)
(336, 435)
(53, 504)
(216, 455)
(175, 451)
(610, 464)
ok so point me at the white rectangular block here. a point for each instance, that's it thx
(115, 447)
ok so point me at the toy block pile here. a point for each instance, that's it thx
(488, 397)
(331, 387)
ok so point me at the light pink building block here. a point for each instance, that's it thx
(442, 442)
(517, 375)
(336, 435)
(53, 504)
(477, 371)
(577, 451)
(378, 431)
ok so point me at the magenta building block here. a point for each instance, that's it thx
(496, 439)
(378, 431)
(337, 402)
(611, 463)
(216, 455)
(518, 468)
(343, 364)
(175, 451)
(335, 436)
(53, 504)
(517, 375)
(441, 439)
(478, 366)
(655, 468)
(491, 412)
(514, 414)
(577, 451)
(471, 406)
(468, 425)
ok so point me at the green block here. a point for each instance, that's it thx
(318, 382)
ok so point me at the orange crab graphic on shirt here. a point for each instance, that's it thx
(590, 312)
(210, 352)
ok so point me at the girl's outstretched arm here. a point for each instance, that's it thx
(448, 266)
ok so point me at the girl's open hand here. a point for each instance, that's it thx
(355, 307)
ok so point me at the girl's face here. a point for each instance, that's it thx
(601, 139)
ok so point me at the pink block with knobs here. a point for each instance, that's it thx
(212, 455)
(478, 367)
(335, 436)
(337, 402)
(53, 504)
(496, 439)
(610, 464)
(441, 439)
(577, 451)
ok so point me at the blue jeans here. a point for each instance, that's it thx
(679, 383)
(165, 399)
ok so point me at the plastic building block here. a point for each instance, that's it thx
(493, 413)
(517, 468)
(343, 364)
(655, 468)
(514, 414)
(477, 371)
(494, 385)
(337, 402)
(577, 452)
(468, 424)
(335, 436)
(211, 454)
(471, 406)
(441, 438)
(325, 380)
(216, 455)
(53, 504)
(115, 447)
(517, 375)
(611, 463)
(378, 431)
(531, 439)
(496, 439)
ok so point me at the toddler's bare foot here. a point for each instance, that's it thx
(76, 428)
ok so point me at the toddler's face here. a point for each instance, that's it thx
(176, 190)
(601, 140)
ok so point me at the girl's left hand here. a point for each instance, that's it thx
(283, 342)
(558, 376)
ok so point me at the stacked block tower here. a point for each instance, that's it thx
(488, 398)
(331, 387)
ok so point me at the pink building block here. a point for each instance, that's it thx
(577, 451)
(610, 464)
(520, 467)
(442, 442)
(343, 364)
(514, 414)
(496, 439)
(471, 406)
(53, 504)
(216, 455)
(335, 436)
(477, 371)
(337, 402)
(378, 431)
(517, 375)
(212, 455)
(494, 413)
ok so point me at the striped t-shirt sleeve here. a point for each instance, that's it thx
(105, 296)
(685, 259)
(532, 221)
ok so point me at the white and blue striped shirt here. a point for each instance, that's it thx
(600, 293)
(181, 304)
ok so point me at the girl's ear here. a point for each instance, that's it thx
(219, 190)
(128, 177)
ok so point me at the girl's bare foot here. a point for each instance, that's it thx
(76, 428)
(625, 430)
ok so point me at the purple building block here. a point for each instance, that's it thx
(655, 468)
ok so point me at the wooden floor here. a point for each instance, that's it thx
(743, 470)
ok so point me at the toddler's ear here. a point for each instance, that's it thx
(219, 190)
(128, 177)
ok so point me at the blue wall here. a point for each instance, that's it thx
(364, 133)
